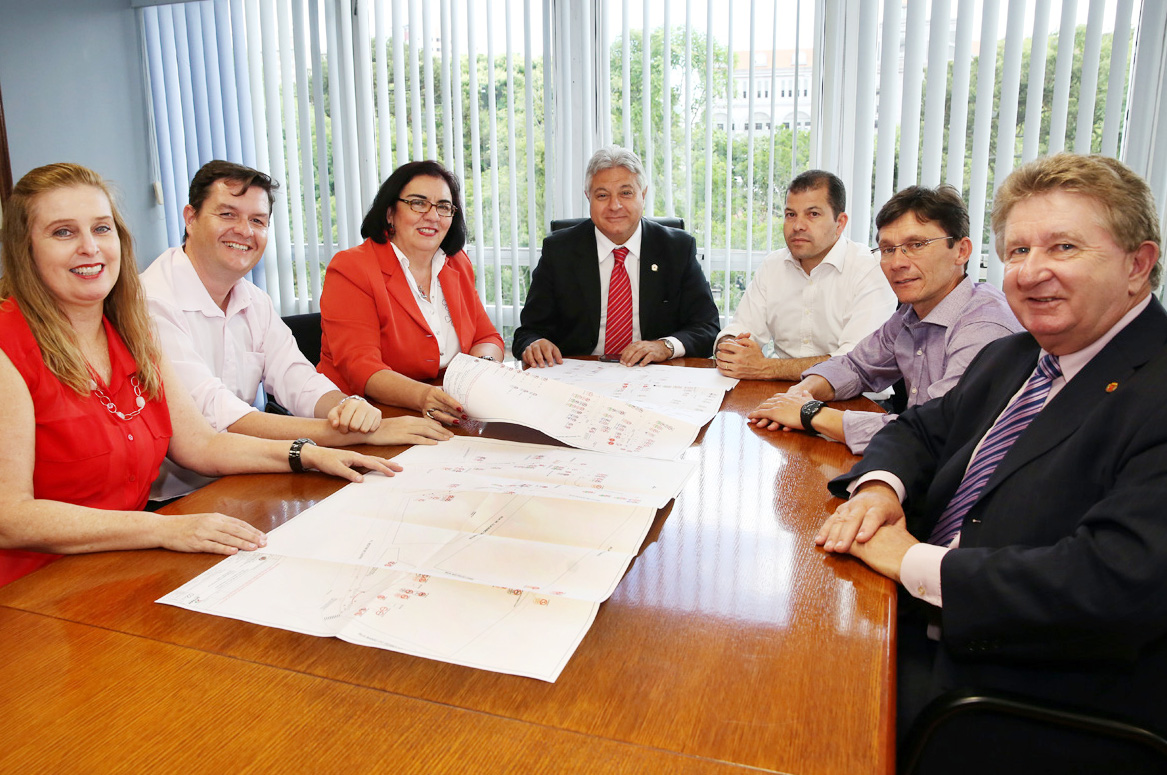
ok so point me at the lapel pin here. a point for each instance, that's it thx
(1113, 386)
(654, 267)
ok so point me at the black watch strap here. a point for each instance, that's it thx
(808, 412)
(294, 461)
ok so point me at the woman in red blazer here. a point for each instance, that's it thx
(398, 307)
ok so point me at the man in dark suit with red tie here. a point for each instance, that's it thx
(1027, 508)
(618, 284)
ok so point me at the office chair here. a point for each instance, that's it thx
(989, 732)
(306, 329)
(567, 223)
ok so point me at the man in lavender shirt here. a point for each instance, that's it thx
(943, 321)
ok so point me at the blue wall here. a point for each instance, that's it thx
(72, 80)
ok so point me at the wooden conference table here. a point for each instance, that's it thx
(731, 644)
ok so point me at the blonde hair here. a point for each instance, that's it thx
(125, 306)
(1124, 199)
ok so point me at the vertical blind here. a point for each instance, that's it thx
(329, 96)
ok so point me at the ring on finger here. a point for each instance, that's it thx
(429, 413)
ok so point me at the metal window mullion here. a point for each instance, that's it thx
(550, 115)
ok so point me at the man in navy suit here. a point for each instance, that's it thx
(569, 303)
(1049, 577)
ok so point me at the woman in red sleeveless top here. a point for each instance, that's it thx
(86, 412)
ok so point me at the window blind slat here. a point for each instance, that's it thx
(982, 128)
(1116, 84)
(1063, 67)
(915, 41)
(961, 74)
(667, 113)
(932, 153)
(1088, 78)
(866, 61)
(382, 21)
(888, 97)
(475, 150)
(308, 290)
(1031, 134)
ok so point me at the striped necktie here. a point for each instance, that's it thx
(618, 331)
(997, 441)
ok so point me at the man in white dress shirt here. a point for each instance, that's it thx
(225, 338)
(814, 299)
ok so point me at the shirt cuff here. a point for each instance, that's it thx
(888, 478)
(920, 572)
(678, 348)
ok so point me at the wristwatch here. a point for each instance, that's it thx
(672, 349)
(488, 358)
(808, 412)
(294, 461)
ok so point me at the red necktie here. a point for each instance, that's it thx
(618, 333)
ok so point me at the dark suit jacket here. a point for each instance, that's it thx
(563, 303)
(1059, 586)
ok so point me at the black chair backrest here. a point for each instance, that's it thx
(306, 329)
(981, 732)
(567, 223)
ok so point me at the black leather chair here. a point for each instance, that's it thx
(567, 223)
(988, 732)
(306, 329)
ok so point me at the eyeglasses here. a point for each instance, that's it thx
(911, 249)
(423, 206)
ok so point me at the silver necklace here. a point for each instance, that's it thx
(112, 408)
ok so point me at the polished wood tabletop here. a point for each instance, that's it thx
(731, 643)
